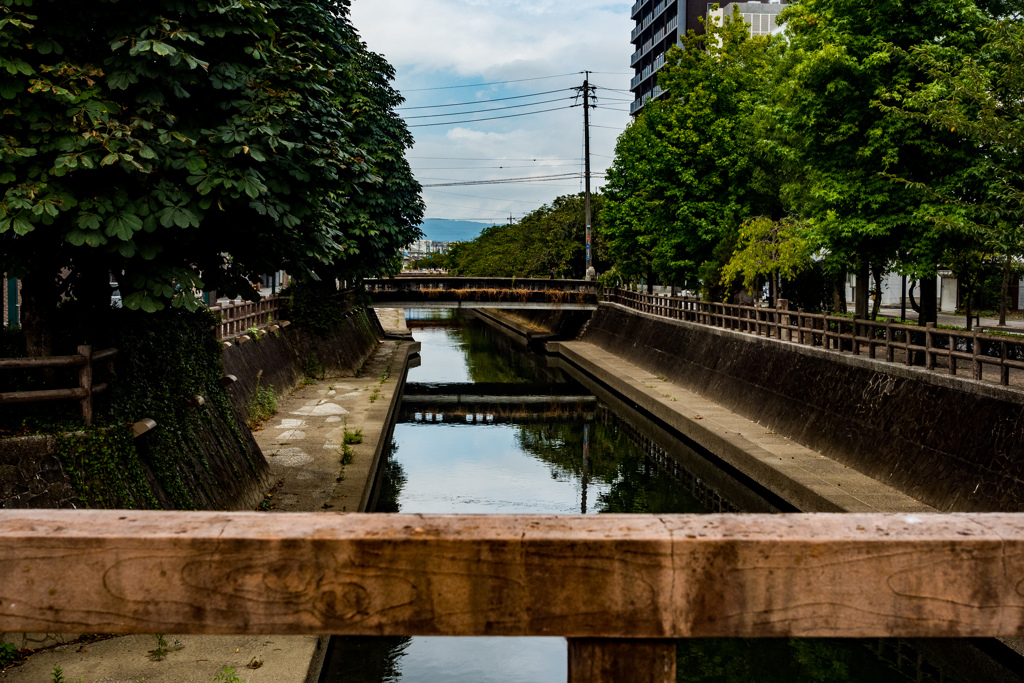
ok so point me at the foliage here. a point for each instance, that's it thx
(105, 468)
(262, 405)
(313, 369)
(846, 145)
(553, 236)
(766, 247)
(353, 437)
(8, 655)
(683, 177)
(190, 145)
(315, 305)
(435, 261)
(227, 675)
(166, 360)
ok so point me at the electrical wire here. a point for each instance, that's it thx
(485, 111)
(506, 181)
(481, 85)
(475, 168)
(492, 118)
(476, 196)
(483, 159)
(499, 99)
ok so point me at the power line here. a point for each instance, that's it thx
(484, 111)
(475, 168)
(499, 99)
(504, 181)
(481, 85)
(492, 118)
(476, 196)
(483, 159)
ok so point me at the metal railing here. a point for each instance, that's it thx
(85, 361)
(934, 348)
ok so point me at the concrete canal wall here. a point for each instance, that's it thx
(953, 443)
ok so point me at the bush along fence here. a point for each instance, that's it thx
(937, 349)
(236, 318)
(86, 361)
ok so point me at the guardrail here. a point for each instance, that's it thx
(238, 317)
(85, 361)
(620, 587)
(893, 342)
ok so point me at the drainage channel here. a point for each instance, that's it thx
(488, 427)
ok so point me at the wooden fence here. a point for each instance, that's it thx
(934, 348)
(86, 361)
(238, 317)
(620, 587)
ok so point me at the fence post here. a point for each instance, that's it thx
(1004, 369)
(976, 353)
(85, 382)
(929, 343)
(888, 341)
(783, 320)
(600, 660)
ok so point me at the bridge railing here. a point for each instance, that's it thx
(482, 289)
(937, 349)
(620, 587)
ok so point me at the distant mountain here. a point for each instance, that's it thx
(443, 230)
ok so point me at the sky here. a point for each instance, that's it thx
(450, 52)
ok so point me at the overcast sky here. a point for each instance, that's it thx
(437, 44)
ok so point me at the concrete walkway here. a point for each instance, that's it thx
(805, 478)
(303, 445)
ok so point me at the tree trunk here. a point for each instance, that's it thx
(968, 300)
(877, 304)
(773, 294)
(928, 308)
(39, 297)
(1005, 294)
(650, 278)
(839, 293)
(863, 289)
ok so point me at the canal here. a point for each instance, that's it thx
(487, 426)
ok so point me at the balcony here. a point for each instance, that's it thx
(636, 8)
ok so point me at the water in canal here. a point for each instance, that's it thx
(489, 427)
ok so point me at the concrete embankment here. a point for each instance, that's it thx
(953, 443)
(305, 447)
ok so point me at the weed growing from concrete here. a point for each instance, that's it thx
(262, 404)
(375, 395)
(8, 655)
(162, 648)
(227, 675)
(354, 436)
(58, 676)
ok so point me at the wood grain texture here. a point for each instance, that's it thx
(601, 576)
(596, 660)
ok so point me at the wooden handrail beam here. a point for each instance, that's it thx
(600, 576)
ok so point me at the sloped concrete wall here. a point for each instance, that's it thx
(953, 443)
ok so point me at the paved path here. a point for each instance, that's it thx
(303, 445)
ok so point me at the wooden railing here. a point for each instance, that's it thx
(620, 587)
(85, 361)
(934, 348)
(240, 316)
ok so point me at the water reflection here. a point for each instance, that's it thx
(500, 455)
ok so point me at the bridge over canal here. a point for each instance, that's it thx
(483, 292)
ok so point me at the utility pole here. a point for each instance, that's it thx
(586, 90)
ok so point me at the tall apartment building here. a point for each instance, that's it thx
(659, 26)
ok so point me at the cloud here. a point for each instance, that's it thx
(438, 46)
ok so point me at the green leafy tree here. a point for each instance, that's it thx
(977, 97)
(190, 145)
(768, 248)
(553, 236)
(847, 145)
(683, 179)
